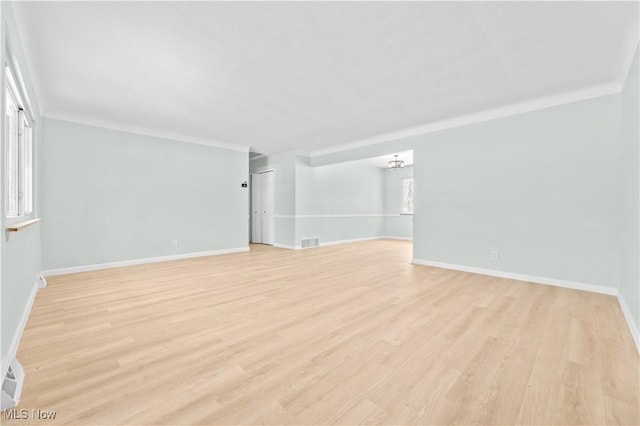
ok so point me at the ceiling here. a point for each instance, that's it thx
(383, 161)
(310, 76)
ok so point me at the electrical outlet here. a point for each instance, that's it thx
(494, 254)
(174, 243)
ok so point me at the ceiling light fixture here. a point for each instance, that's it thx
(396, 164)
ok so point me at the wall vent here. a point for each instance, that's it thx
(310, 242)
(12, 385)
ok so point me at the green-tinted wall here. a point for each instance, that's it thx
(338, 202)
(20, 266)
(630, 194)
(333, 203)
(112, 196)
(539, 187)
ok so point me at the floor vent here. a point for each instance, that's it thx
(12, 385)
(310, 242)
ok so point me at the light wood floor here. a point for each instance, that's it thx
(347, 334)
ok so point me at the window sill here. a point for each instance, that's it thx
(19, 226)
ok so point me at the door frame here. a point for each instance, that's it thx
(251, 202)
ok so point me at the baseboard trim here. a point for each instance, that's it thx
(334, 216)
(285, 246)
(108, 265)
(17, 337)
(547, 281)
(630, 323)
(42, 281)
(354, 240)
(521, 277)
(338, 242)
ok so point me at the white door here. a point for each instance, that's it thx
(267, 208)
(256, 208)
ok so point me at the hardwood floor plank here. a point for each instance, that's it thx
(348, 334)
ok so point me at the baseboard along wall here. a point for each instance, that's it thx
(333, 243)
(547, 281)
(17, 337)
(107, 265)
(630, 323)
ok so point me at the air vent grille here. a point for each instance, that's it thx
(310, 242)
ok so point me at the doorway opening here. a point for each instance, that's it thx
(397, 191)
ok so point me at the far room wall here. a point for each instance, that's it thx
(630, 196)
(334, 203)
(338, 202)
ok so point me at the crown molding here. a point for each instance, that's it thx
(478, 117)
(143, 131)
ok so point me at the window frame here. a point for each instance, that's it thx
(24, 145)
(402, 186)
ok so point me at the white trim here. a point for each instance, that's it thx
(338, 242)
(521, 277)
(17, 337)
(285, 246)
(17, 80)
(320, 216)
(547, 281)
(391, 237)
(354, 240)
(175, 137)
(477, 117)
(107, 265)
(630, 323)
(324, 216)
(42, 281)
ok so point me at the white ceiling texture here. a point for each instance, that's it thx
(312, 76)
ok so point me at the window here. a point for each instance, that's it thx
(407, 196)
(18, 146)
